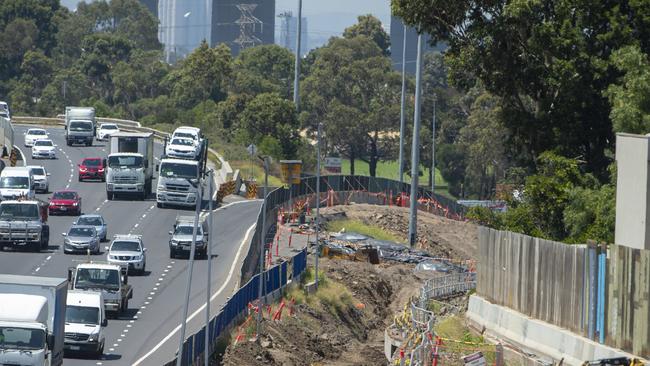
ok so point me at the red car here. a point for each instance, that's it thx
(65, 202)
(92, 168)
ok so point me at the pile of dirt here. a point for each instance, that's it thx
(334, 335)
(439, 236)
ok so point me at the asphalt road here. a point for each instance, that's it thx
(149, 333)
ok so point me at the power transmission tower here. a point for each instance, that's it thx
(286, 21)
(247, 26)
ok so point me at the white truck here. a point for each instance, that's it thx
(32, 320)
(111, 280)
(85, 319)
(80, 125)
(178, 182)
(130, 164)
(23, 225)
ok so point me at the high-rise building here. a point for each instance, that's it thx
(243, 23)
(397, 42)
(184, 24)
(288, 31)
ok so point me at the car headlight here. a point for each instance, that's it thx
(75, 204)
(173, 242)
(66, 241)
(93, 337)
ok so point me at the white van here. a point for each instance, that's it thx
(16, 182)
(85, 319)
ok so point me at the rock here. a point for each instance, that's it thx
(324, 336)
(265, 344)
(258, 357)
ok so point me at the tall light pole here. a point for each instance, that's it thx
(433, 146)
(190, 267)
(296, 76)
(402, 114)
(320, 128)
(263, 245)
(209, 254)
(415, 147)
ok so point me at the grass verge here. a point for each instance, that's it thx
(360, 227)
(454, 329)
(331, 295)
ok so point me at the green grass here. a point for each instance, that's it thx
(454, 328)
(364, 229)
(390, 170)
(244, 167)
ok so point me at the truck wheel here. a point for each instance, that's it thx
(109, 195)
(125, 306)
(89, 143)
(144, 195)
(172, 253)
(100, 351)
(160, 205)
(68, 143)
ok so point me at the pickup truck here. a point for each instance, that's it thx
(23, 225)
(111, 279)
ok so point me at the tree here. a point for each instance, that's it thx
(269, 117)
(101, 52)
(68, 87)
(548, 61)
(369, 26)
(19, 36)
(264, 69)
(203, 75)
(40, 13)
(137, 78)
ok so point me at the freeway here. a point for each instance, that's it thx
(148, 333)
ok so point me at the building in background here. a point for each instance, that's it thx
(288, 31)
(184, 24)
(397, 42)
(243, 23)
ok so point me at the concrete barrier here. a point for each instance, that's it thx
(535, 336)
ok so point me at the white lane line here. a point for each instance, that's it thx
(200, 309)
(48, 257)
(37, 269)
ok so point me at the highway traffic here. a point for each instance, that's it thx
(147, 333)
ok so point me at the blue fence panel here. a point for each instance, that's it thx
(187, 352)
(283, 274)
(199, 343)
(299, 262)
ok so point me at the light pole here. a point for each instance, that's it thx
(296, 76)
(415, 147)
(209, 253)
(263, 245)
(190, 267)
(402, 114)
(320, 127)
(433, 146)
(187, 32)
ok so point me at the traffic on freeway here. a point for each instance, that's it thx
(118, 237)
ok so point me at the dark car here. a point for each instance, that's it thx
(92, 168)
(65, 202)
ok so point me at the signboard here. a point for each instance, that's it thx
(332, 165)
(291, 170)
(475, 359)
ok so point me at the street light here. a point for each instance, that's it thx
(320, 127)
(266, 161)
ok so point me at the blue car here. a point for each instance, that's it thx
(94, 220)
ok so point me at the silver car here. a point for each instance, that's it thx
(94, 220)
(128, 251)
(81, 238)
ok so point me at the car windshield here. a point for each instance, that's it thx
(21, 338)
(90, 220)
(81, 126)
(43, 143)
(178, 170)
(9, 210)
(184, 135)
(37, 132)
(38, 171)
(82, 231)
(92, 162)
(109, 127)
(125, 161)
(125, 246)
(14, 182)
(64, 195)
(102, 278)
(81, 315)
(182, 142)
(187, 230)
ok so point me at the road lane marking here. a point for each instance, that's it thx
(48, 257)
(214, 296)
(37, 269)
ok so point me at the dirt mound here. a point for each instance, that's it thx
(326, 331)
(437, 235)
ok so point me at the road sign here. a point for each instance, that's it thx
(291, 170)
(332, 164)
(252, 150)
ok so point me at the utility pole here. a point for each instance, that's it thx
(433, 146)
(190, 267)
(402, 113)
(320, 128)
(415, 147)
(296, 76)
(262, 246)
(209, 251)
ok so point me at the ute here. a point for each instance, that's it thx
(23, 225)
(110, 279)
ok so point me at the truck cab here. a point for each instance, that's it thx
(109, 279)
(17, 182)
(23, 225)
(130, 164)
(178, 182)
(85, 319)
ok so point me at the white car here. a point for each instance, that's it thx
(187, 132)
(44, 148)
(34, 134)
(41, 180)
(106, 130)
(128, 251)
(182, 148)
